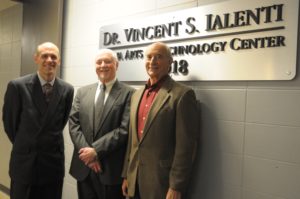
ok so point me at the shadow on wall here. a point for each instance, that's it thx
(206, 181)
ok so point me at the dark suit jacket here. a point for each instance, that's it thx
(35, 129)
(111, 134)
(163, 157)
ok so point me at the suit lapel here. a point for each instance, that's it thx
(110, 101)
(55, 98)
(161, 98)
(91, 104)
(135, 103)
(35, 89)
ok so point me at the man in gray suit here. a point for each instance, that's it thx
(99, 130)
(162, 133)
(36, 109)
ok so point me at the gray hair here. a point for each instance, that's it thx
(108, 51)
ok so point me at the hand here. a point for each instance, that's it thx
(87, 155)
(95, 166)
(125, 187)
(173, 194)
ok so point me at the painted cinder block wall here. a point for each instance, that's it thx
(250, 129)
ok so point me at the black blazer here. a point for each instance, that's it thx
(35, 129)
(111, 134)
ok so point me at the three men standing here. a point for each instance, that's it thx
(162, 131)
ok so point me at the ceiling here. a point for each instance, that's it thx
(6, 4)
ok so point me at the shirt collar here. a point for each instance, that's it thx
(108, 85)
(43, 82)
(157, 85)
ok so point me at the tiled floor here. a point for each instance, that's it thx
(3, 196)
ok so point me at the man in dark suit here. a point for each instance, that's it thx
(99, 131)
(36, 109)
(162, 133)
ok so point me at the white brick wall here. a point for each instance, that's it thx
(251, 130)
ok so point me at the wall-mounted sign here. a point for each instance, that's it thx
(232, 40)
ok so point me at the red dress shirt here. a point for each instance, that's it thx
(149, 95)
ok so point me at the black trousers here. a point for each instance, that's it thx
(92, 188)
(32, 191)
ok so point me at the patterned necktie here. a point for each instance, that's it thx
(99, 106)
(47, 89)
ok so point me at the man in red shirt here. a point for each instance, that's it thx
(162, 133)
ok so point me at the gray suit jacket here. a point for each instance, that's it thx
(35, 129)
(111, 134)
(163, 157)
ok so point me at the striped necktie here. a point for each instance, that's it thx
(99, 106)
(47, 89)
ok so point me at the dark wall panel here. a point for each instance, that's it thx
(42, 21)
